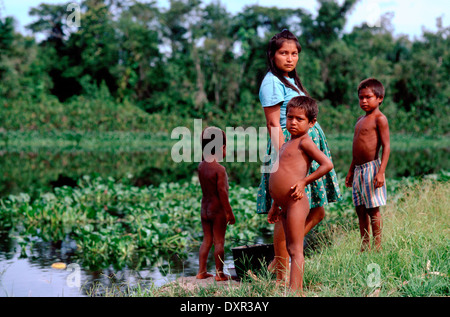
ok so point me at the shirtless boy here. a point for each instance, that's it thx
(366, 173)
(216, 212)
(287, 183)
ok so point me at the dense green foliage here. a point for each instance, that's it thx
(129, 59)
(115, 224)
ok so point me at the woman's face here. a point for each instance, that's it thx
(286, 57)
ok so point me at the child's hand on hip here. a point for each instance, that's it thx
(298, 190)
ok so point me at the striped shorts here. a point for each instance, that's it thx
(364, 191)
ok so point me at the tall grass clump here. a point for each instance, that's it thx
(413, 260)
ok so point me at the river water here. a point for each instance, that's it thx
(32, 275)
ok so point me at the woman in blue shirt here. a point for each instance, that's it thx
(280, 84)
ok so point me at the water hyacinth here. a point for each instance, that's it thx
(115, 223)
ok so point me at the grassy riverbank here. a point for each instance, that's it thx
(413, 262)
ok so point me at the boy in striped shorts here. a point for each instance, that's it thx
(366, 173)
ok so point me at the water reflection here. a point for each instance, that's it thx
(30, 274)
(41, 171)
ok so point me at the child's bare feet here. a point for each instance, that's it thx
(203, 275)
(299, 293)
(283, 282)
(272, 266)
(282, 274)
(222, 277)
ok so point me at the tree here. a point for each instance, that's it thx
(180, 76)
(22, 74)
(6, 35)
(139, 53)
(53, 54)
(51, 21)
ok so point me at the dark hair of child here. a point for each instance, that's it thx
(209, 135)
(373, 84)
(308, 104)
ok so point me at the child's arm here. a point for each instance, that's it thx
(274, 213)
(222, 188)
(311, 149)
(383, 128)
(349, 178)
(351, 170)
(272, 115)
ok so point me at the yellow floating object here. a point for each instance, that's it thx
(59, 265)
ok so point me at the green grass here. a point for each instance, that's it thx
(413, 261)
(415, 232)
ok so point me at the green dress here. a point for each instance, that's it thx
(321, 192)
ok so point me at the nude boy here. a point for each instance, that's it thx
(216, 212)
(367, 171)
(287, 184)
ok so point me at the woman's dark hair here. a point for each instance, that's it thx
(274, 45)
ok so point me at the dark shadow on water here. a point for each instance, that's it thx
(42, 171)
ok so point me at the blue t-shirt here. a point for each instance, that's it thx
(273, 91)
